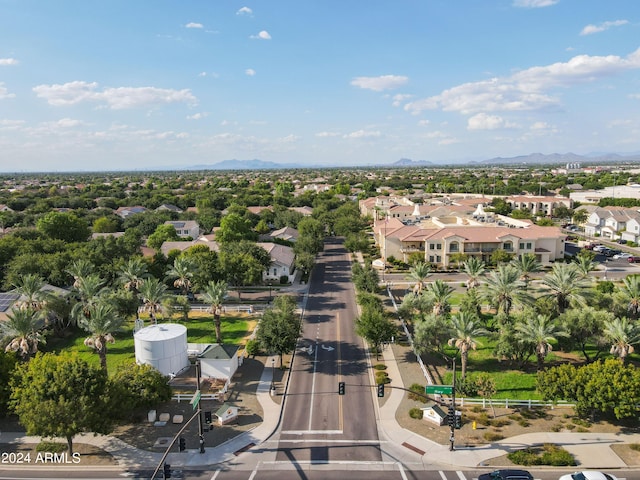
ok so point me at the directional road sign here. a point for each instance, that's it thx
(439, 389)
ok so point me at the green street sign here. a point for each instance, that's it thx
(439, 389)
(196, 399)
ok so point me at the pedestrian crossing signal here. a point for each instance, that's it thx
(182, 444)
(341, 388)
(381, 389)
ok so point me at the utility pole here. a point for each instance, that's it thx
(452, 409)
(200, 432)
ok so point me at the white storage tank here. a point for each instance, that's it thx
(163, 346)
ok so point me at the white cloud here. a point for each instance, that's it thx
(194, 25)
(4, 93)
(527, 89)
(197, 116)
(541, 126)
(534, 3)
(591, 29)
(378, 84)
(363, 134)
(423, 123)
(482, 121)
(244, 11)
(327, 134)
(263, 35)
(11, 124)
(118, 98)
(400, 98)
(68, 123)
(4, 62)
(250, 71)
(635, 96)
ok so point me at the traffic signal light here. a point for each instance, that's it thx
(340, 388)
(451, 417)
(182, 444)
(167, 470)
(207, 416)
(381, 389)
(457, 422)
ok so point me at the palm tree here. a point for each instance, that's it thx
(539, 330)
(30, 288)
(464, 331)
(474, 268)
(566, 283)
(439, 294)
(101, 323)
(585, 264)
(80, 268)
(153, 293)
(90, 289)
(182, 271)
(419, 273)
(630, 294)
(526, 265)
(132, 274)
(21, 328)
(214, 294)
(623, 334)
(503, 288)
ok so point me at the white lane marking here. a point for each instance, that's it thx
(402, 474)
(347, 442)
(442, 475)
(312, 432)
(313, 384)
(215, 475)
(254, 473)
(461, 475)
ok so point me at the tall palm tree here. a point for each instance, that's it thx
(585, 265)
(623, 335)
(464, 333)
(214, 294)
(132, 274)
(474, 268)
(566, 283)
(21, 329)
(182, 273)
(526, 265)
(439, 293)
(419, 273)
(79, 268)
(540, 331)
(90, 289)
(30, 288)
(101, 323)
(503, 288)
(630, 294)
(153, 293)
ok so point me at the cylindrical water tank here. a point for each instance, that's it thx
(163, 346)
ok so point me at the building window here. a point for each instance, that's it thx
(431, 258)
(507, 246)
(454, 247)
(528, 245)
(438, 246)
(432, 246)
(275, 272)
(521, 246)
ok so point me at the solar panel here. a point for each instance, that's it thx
(7, 299)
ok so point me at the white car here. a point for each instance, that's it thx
(588, 475)
(622, 255)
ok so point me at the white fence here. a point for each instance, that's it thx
(180, 397)
(509, 403)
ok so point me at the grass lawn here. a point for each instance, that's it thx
(200, 329)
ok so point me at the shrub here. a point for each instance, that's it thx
(52, 447)
(498, 422)
(523, 422)
(492, 436)
(252, 348)
(382, 377)
(416, 387)
(483, 419)
(549, 454)
(380, 366)
(635, 446)
(415, 413)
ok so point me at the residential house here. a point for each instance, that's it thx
(541, 206)
(286, 233)
(185, 228)
(167, 207)
(610, 222)
(282, 262)
(125, 212)
(5, 208)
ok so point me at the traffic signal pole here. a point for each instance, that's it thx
(452, 410)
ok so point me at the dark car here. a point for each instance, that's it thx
(506, 475)
(633, 259)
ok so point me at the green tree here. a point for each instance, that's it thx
(503, 288)
(105, 225)
(431, 334)
(214, 294)
(526, 264)
(234, 228)
(365, 278)
(280, 326)
(132, 274)
(90, 290)
(182, 273)
(79, 269)
(22, 330)
(439, 294)
(163, 233)
(136, 387)
(102, 323)
(375, 327)
(30, 287)
(585, 328)
(539, 331)
(64, 226)
(630, 294)
(566, 283)
(464, 337)
(486, 387)
(8, 363)
(475, 269)
(623, 335)
(419, 274)
(61, 396)
(243, 263)
(153, 293)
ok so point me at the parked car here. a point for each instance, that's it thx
(621, 241)
(622, 255)
(506, 475)
(633, 259)
(599, 248)
(588, 475)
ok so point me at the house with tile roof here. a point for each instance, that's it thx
(185, 228)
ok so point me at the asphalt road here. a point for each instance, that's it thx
(319, 425)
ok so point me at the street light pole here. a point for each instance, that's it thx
(273, 373)
(453, 408)
(200, 432)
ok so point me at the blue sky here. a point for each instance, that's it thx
(138, 84)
